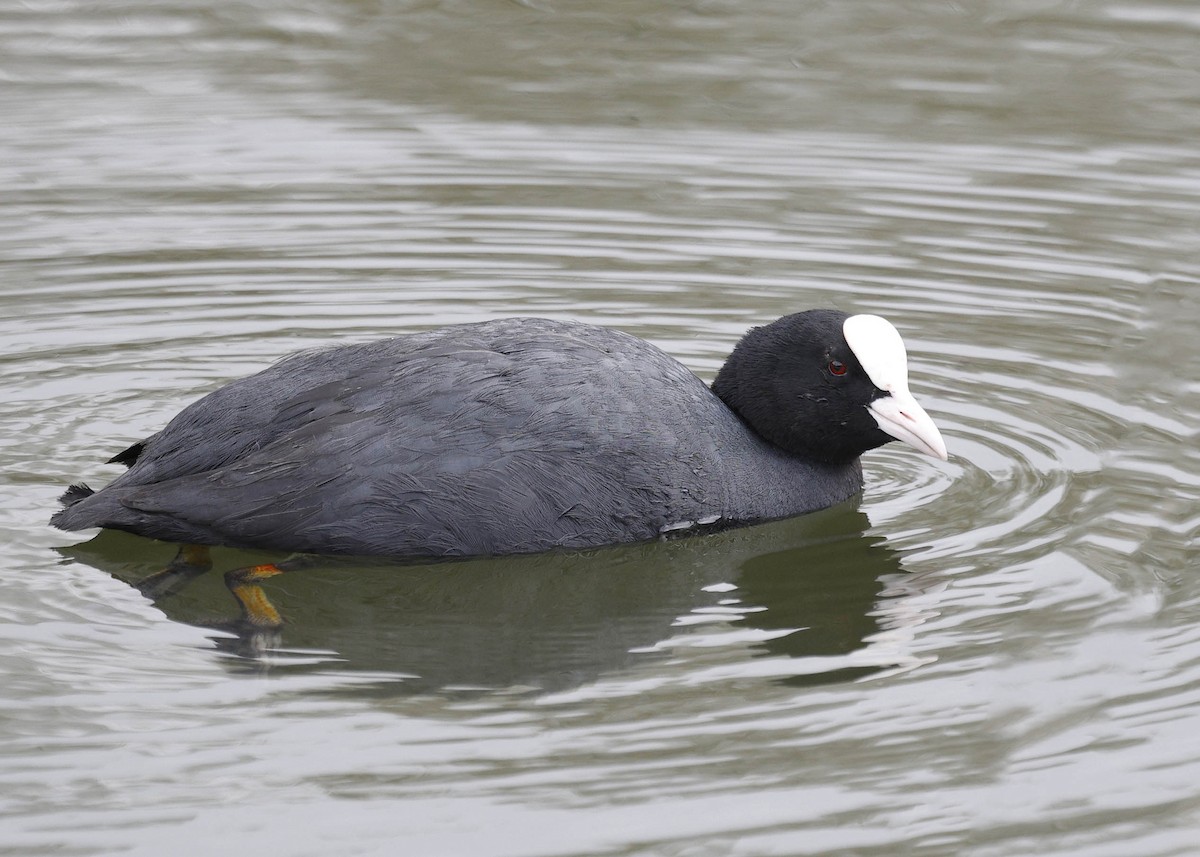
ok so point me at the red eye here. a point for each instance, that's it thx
(837, 367)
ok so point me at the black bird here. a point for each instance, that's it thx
(516, 436)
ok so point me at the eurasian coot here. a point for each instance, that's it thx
(516, 436)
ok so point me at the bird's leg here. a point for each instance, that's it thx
(190, 562)
(257, 609)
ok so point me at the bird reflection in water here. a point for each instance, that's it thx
(810, 590)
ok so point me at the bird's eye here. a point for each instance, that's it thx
(837, 367)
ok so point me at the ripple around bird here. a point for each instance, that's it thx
(992, 655)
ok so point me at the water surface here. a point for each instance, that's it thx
(996, 655)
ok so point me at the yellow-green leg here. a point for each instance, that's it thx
(190, 562)
(257, 609)
(193, 560)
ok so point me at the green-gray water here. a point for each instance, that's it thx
(997, 655)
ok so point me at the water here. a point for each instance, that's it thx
(997, 655)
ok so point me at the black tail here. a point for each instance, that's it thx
(74, 494)
(69, 517)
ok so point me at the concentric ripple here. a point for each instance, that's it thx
(994, 655)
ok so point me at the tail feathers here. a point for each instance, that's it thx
(72, 516)
(74, 494)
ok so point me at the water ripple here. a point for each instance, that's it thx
(1001, 657)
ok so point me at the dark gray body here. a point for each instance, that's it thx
(509, 436)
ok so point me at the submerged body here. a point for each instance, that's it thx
(509, 436)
